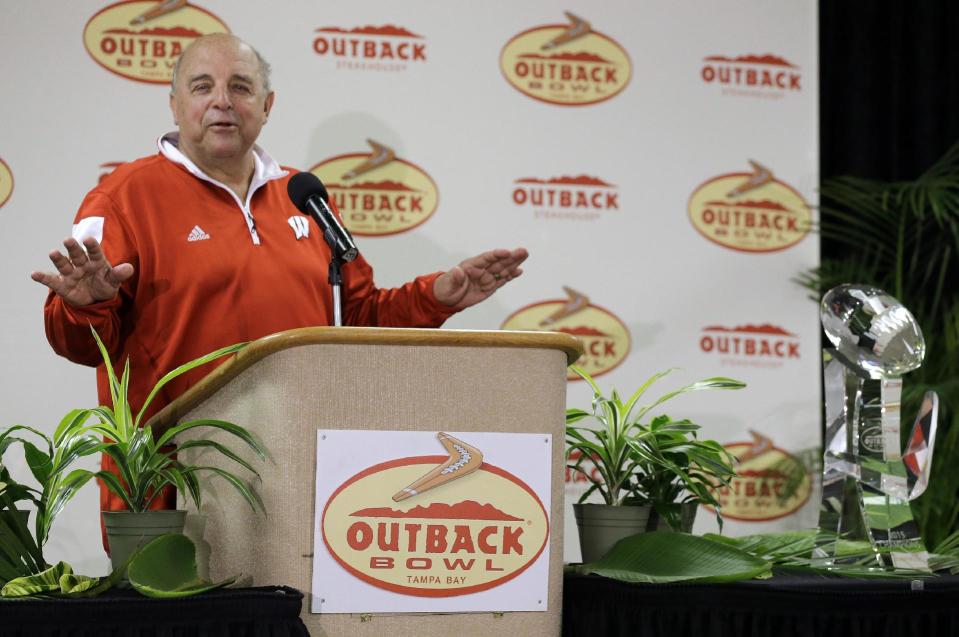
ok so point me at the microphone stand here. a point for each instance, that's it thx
(338, 250)
(335, 279)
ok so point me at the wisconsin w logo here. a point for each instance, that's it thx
(300, 225)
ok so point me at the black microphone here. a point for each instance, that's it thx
(308, 194)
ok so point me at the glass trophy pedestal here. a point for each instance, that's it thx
(868, 476)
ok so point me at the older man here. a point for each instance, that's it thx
(205, 253)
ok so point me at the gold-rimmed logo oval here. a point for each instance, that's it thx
(141, 40)
(6, 183)
(750, 212)
(605, 338)
(471, 535)
(566, 64)
(378, 194)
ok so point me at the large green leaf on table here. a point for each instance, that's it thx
(773, 547)
(663, 557)
(59, 580)
(166, 567)
(73, 584)
(42, 583)
(793, 551)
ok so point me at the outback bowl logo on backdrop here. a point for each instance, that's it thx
(141, 40)
(752, 75)
(750, 345)
(750, 212)
(566, 64)
(386, 48)
(6, 183)
(769, 483)
(579, 198)
(605, 338)
(378, 193)
(392, 526)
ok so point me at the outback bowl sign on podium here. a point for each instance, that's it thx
(402, 528)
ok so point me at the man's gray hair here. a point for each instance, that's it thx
(264, 66)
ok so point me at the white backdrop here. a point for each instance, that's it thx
(661, 294)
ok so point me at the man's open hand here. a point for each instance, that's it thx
(475, 279)
(83, 277)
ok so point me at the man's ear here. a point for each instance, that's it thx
(268, 104)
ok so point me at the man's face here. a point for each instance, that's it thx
(219, 102)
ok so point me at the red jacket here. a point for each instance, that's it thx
(201, 283)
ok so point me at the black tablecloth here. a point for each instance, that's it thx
(249, 612)
(784, 606)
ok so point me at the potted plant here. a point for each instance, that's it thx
(651, 475)
(49, 461)
(147, 465)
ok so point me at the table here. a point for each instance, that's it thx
(272, 611)
(786, 605)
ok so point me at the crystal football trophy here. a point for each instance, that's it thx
(868, 480)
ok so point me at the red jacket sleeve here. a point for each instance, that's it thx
(68, 327)
(410, 305)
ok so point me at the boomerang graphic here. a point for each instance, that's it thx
(761, 444)
(760, 177)
(573, 304)
(167, 6)
(577, 29)
(380, 156)
(464, 459)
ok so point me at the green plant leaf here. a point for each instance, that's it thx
(113, 484)
(579, 371)
(166, 568)
(709, 383)
(108, 365)
(72, 585)
(67, 488)
(222, 425)
(73, 421)
(661, 557)
(575, 415)
(182, 369)
(216, 446)
(44, 582)
(642, 390)
(652, 462)
(143, 466)
(242, 487)
(16, 556)
(20, 549)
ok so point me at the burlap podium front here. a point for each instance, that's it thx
(286, 386)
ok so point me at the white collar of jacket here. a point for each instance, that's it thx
(265, 167)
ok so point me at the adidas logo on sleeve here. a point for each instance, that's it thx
(197, 234)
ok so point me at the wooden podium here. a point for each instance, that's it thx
(286, 386)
